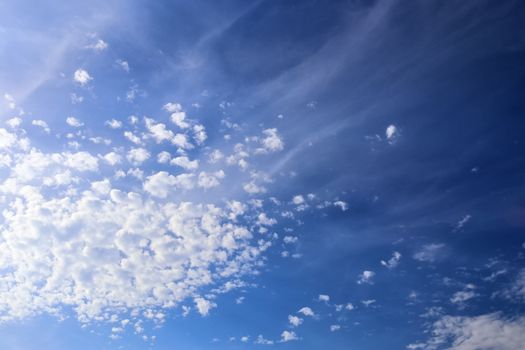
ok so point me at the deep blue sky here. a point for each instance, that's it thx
(201, 175)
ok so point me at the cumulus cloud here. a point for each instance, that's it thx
(74, 122)
(82, 77)
(294, 320)
(204, 306)
(306, 311)
(287, 336)
(392, 133)
(366, 277)
(484, 332)
(324, 297)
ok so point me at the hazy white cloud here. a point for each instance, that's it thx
(204, 306)
(74, 122)
(294, 320)
(306, 311)
(42, 124)
(324, 297)
(114, 124)
(288, 336)
(429, 252)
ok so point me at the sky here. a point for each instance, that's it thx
(235, 174)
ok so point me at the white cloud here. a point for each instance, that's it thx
(260, 340)
(99, 45)
(429, 252)
(462, 296)
(324, 297)
(82, 77)
(298, 199)
(393, 261)
(114, 124)
(14, 122)
(112, 158)
(137, 155)
(42, 124)
(342, 205)
(335, 328)
(484, 332)
(163, 157)
(185, 163)
(172, 107)
(74, 122)
(391, 133)
(253, 188)
(294, 320)
(366, 277)
(158, 131)
(132, 137)
(288, 336)
(209, 180)
(204, 306)
(462, 222)
(306, 311)
(6, 139)
(124, 65)
(272, 142)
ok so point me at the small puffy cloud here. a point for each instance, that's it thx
(124, 65)
(11, 103)
(172, 107)
(132, 137)
(14, 122)
(112, 158)
(342, 205)
(324, 297)
(264, 220)
(74, 122)
(290, 239)
(429, 252)
(335, 328)
(185, 163)
(99, 45)
(306, 311)
(260, 340)
(272, 142)
(82, 77)
(349, 306)
(298, 199)
(209, 180)
(137, 155)
(204, 306)
(288, 336)
(368, 302)
(114, 124)
(42, 124)
(391, 133)
(181, 140)
(158, 131)
(163, 157)
(294, 320)
(393, 261)
(253, 188)
(366, 277)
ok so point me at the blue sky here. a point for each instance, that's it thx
(266, 174)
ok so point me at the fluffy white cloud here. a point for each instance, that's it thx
(74, 122)
(391, 133)
(366, 277)
(114, 124)
(99, 45)
(6, 139)
(342, 205)
(288, 336)
(272, 142)
(204, 306)
(82, 77)
(294, 320)
(185, 163)
(137, 155)
(112, 158)
(335, 328)
(42, 124)
(324, 297)
(484, 332)
(306, 311)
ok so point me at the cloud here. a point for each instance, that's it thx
(484, 332)
(185, 163)
(114, 124)
(137, 155)
(287, 336)
(335, 328)
(429, 252)
(272, 142)
(342, 205)
(42, 124)
(393, 261)
(99, 45)
(366, 277)
(324, 297)
(392, 133)
(462, 222)
(204, 306)
(74, 122)
(82, 77)
(295, 321)
(306, 311)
